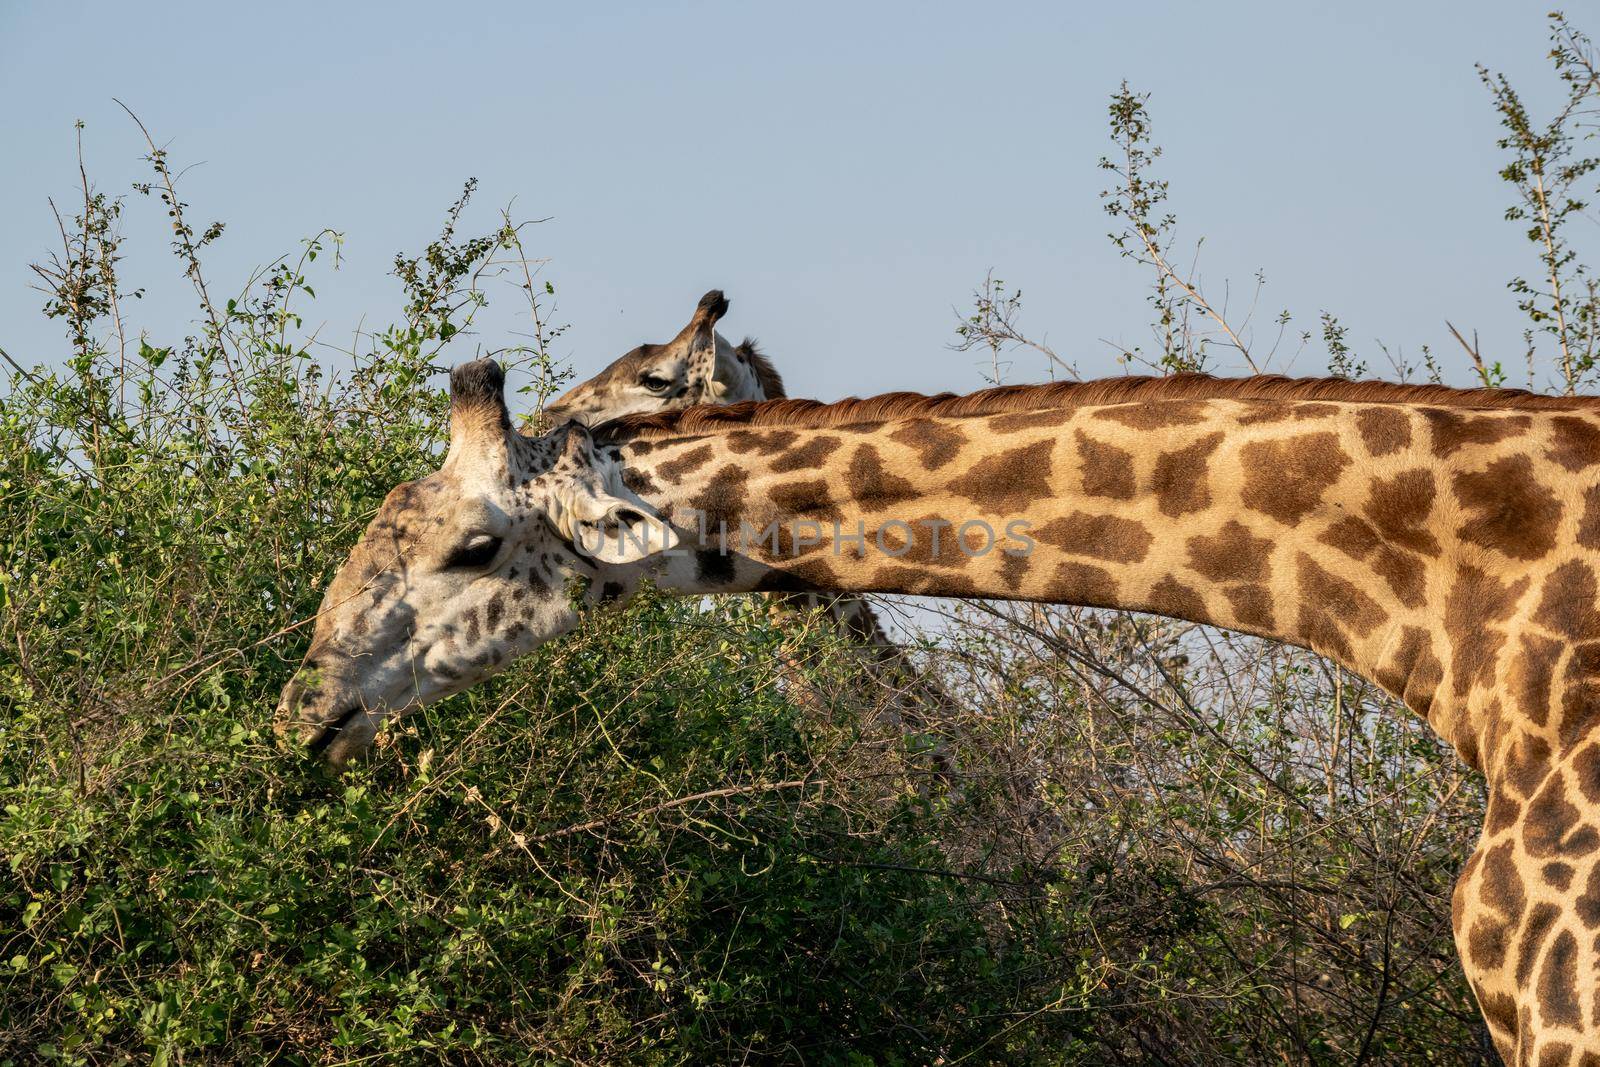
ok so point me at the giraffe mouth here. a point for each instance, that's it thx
(329, 730)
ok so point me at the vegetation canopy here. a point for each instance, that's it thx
(644, 844)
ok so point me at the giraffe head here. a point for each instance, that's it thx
(698, 366)
(464, 570)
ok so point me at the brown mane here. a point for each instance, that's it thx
(1130, 389)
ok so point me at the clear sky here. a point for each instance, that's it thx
(846, 172)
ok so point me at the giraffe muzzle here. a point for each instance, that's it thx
(322, 736)
(335, 730)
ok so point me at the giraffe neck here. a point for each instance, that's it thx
(1411, 544)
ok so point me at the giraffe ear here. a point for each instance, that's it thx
(613, 530)
(734, 378)
(600, 516)
(577, 444)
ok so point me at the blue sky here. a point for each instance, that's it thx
(847, 172)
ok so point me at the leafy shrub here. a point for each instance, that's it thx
(632, 846)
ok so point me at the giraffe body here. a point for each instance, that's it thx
(1432, 551)
(1446, 545)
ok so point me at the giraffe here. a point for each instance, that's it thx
(699, 366)
(1443, 543)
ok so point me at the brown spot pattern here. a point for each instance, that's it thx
(674, 469)
(1589, 524)
(807, 457)
(1025, 420)
(1587, 906)
(1107, 469)
(1358, 539)
(932, 541)
(1586, 769)
(768, 443)
(935, 443)
(1554, 827)
(1399, 508)
(1501, 885)
(1487, 942)
(797, 576)
(1179, 478)
(1555, 1054)
(1080, 583)
(1012, 570)
(922, 582)
(1476, 601)
(1526, 765)
(1252, 606)
(1098, 536)
(1413, 673)
(1171, 597)
(1558, 875)
(1383, 430)
(721, 500)
(1005, 483)
(871, 483)
(1233, 554)
(1580, 700)
(1453, 430)
(1515, 514)
(1288, 478)
(1530, 675)
(638, 480)
(1155, 415)
(1500, 1010)
(1404, 575)
(1532, 938)
(1503, 813)
(1331, 606)
(1574, 442)
(811, 499)
(1567, 602)
(1354, 537)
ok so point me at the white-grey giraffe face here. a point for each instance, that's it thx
(464, 570)
(698, 366)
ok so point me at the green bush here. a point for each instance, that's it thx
(631, 847)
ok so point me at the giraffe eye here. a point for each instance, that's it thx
(655, 382)
(479, 550)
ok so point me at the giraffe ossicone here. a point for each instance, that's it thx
(1444, 543)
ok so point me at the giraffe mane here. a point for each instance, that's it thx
(814, 414)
